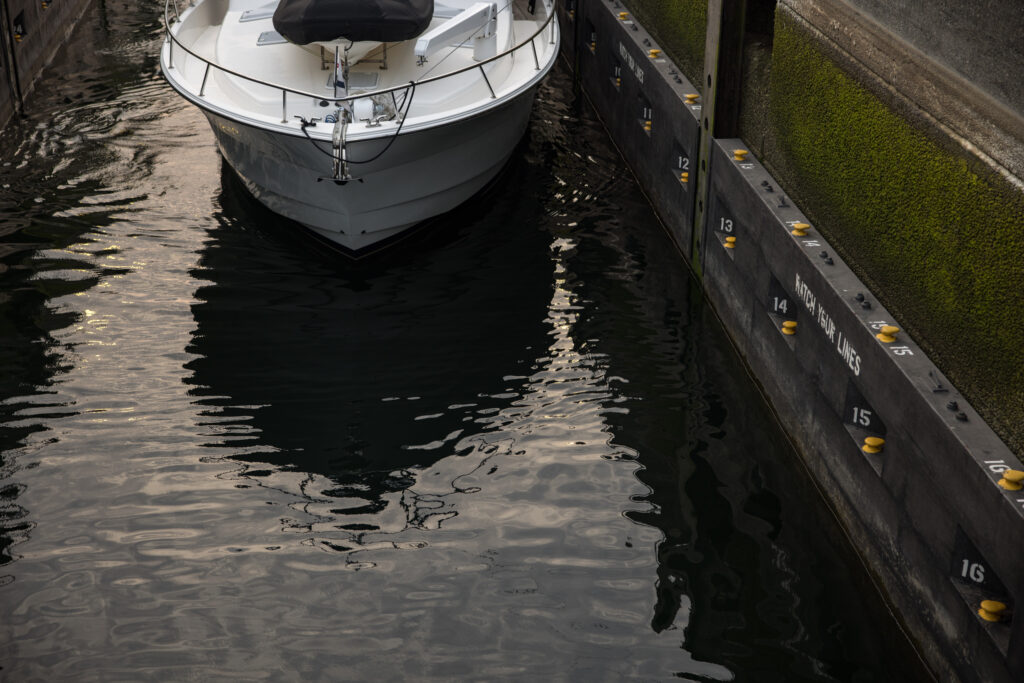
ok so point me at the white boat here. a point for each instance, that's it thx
(359, 126)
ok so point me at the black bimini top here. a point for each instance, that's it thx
(309, 21)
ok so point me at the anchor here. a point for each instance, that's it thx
(339, 152)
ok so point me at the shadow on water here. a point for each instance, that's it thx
(308, 361)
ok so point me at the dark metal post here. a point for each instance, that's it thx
(11, 61)
(723, 67)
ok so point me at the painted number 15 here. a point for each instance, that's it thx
(862, 417)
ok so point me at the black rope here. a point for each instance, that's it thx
(306, 124)
(407, 105)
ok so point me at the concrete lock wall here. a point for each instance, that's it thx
(979, 40)
(898, 128)
(31, 32)
(912, 470)
(916, 179)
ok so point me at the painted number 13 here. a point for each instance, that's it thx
(725, 225)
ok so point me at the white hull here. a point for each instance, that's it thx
(422, 175)
(446, 138)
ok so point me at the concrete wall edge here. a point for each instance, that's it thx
(977, 123)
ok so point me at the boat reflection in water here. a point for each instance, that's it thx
(339, 380)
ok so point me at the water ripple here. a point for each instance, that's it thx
(516, 448)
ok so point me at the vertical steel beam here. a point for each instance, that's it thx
(11, 61)
(723, 69)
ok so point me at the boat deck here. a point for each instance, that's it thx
(239, 36)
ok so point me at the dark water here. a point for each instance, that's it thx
(517, 447)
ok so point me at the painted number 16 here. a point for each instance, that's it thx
(973, 571)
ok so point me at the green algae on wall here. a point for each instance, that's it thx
(680, 27)
(938, 236)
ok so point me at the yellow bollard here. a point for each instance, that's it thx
(991, 610)
(887, 334)
(691, 97)
(684, 177)
(1013, 480)
(653, 53)
(623, 15)
(789, 327)
(730, 242)
(647, 125)
(800, 229)
(873, 444)
(739, 154)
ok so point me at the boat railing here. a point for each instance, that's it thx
(173, 41)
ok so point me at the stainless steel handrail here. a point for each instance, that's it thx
(285, 90)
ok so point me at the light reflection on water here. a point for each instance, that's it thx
(516, 447)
